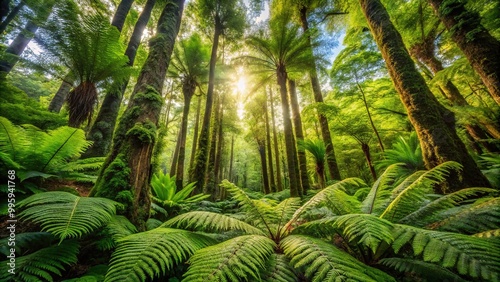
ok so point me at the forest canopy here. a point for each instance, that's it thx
(230, 140)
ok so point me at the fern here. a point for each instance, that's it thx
(474, 219)
(278, 270)
(381, 189)
(323, 262)
(409, 198)
(13, 140)
(27, 241)
(488, 234)
(210, 222)
(150, 254)
(117, 228)
(234, 260)
(42, 265)
(66, 215)
(320, 228)
(425, 270)
(470, 256)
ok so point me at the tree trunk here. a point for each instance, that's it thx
(175, 155)
(210, 172)
(363, 97)
(220, 144)
(366, 151)
(279, 181)
(101, 132)
(265, 177)
(11, 16)
(478, 45)
(299, 135)
(200, 168)
(58, 100)
(231, 157)
(188, 89)
(272, 183)
(290, 144)
(126, 173)
(434, 124)
(331, 160)
(195, 136)
(121, 14)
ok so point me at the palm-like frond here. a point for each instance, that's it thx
(150, 254)
(475, 257)
(27, 241)
(404, 151)
(13, 139)
(234, 260)
(278, 270)
(475, 218)
(210, 222)
(42, 265)
(66, 215)
(324, 262)
(428, 271)
(406, 200)
(438, 209)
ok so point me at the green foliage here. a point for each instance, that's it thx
(150, 254)
(42, 265)
(234, 260)
(66, 215)
(404, 151)
(278, 270)
(165, 191)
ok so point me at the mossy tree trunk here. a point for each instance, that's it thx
(58, 100)
(279, 180)
(269, 150)
(101, 132)
(331, 160)
(209, 186)
(478, 45)
(290, 144)
(121, 13)
(195, 135)
(299, 135)
(198, 174)
(434, 124)
(126, 173)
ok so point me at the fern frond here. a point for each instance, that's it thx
(117, 228)
(210, 222)
(327, 195)
(488, 234)
(428, 271)
(278, 270)
(381, 189)
(42, 265)
(475, 257)
(323, 262)
(365, 229)
(66, 215)
(432, 211)
(320, 228)
(150, 254)
(89, 164)
(13, 139)
(410, 198)
(234, 260)
(474, 218)
(27, 241)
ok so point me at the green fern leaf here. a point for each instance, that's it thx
(320, 228)
(278, 270)
(381, 189)
(475, 257)
(408, 199)
(42, 265)
(323, 262)
(488, 234)
(66, 215)
(428, 271)
(234, 260)
(26, 242)
(150, 254)
(210, 222)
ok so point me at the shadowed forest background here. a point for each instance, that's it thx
(228, 140)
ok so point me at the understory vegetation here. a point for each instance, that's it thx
(228, 140)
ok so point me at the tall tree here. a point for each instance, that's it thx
(269, 150)
(279, 181)
(126, 173)
(434, 124)
(226, 18)
(12, 14)
(189, 65)
(479, 46)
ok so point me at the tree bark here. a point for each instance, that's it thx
(265, 177)
(101, 132)
(195, 135)
(188, 89)
(366, 151)
(290, 144)
(121, 14)
(434, 124)
(272, 183)
(331, 160)
(58, 100)
(231, 157)
(279, 181)
(199, 172)
(126, 173)
(210, 172)
(11, 16)
(478, 45)
(175, 155)
(299, 135)
(363, 97)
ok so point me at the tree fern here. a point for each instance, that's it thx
(381, 189)
(428, 271)
(42, 265)
(470, 256)
(210, 222)
(117, 228)
(150, 254)
(235, 260)
(278, 270)
(324, 262)
(407, 199)
(66, 215)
